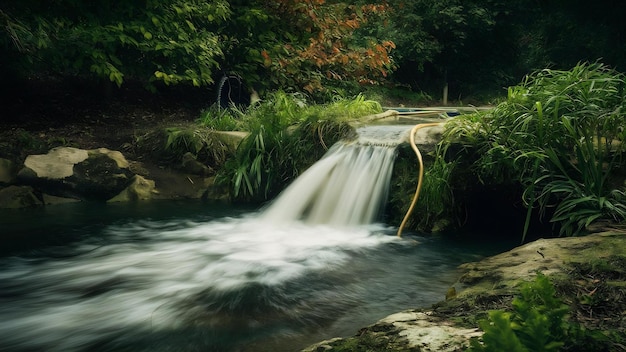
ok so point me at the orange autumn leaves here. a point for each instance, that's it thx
(327, 49)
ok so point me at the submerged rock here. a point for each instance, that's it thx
(54, 200)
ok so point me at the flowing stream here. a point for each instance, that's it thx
(190, 276)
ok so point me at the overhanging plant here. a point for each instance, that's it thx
(559, 136)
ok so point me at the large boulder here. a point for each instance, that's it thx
(18, 197)
(410, 330)
(97, 174)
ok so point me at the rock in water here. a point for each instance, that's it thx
(97, 174)
(18, 197)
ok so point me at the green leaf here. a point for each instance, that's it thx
(190, 25)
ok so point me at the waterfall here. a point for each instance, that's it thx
(348, 186)
(133, 283)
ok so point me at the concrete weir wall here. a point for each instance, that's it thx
(431, 123)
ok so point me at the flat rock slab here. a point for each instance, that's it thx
(426, 330)
(430, 333)
(57, 164)
(97, 174)
(503, 272)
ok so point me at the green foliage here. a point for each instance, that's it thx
(221, 119)
(286, 136)
(172, 41)
(448, 41)
(538, 322)
(436, 202)
(256, 159)
(281, 44)
(179, 141)
(424, 29)
(559, 135)
(394, 96)
(435, 208)
(499, 335)
(171, 144)
(309, 44)
(480, 46)
(593, 30)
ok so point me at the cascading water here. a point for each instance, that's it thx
(311, 266)
(346, 187)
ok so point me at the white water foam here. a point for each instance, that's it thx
(141, 282)
(147, 273)
(348, 186)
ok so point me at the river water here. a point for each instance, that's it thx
(190, 276)
(193, 276)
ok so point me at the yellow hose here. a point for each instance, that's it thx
(421, 172)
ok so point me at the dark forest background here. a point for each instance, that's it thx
(477, 47)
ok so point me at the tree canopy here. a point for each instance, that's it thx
(309, 45)
(172, 41)
(294, 43)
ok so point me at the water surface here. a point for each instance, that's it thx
(190, 276)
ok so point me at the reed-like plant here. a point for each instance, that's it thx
(286, 136)
(197, 141)
(435, 209)
(559, 135)
(220, 119)
(436, 204)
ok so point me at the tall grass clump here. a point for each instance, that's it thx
(435, 210)
(286, 136)
(559, 137)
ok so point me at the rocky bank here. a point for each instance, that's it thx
(67, 174)
(580, 267)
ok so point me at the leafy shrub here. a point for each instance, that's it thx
(559, 135)
(538, 322)
(173, 41)
(286, 136)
